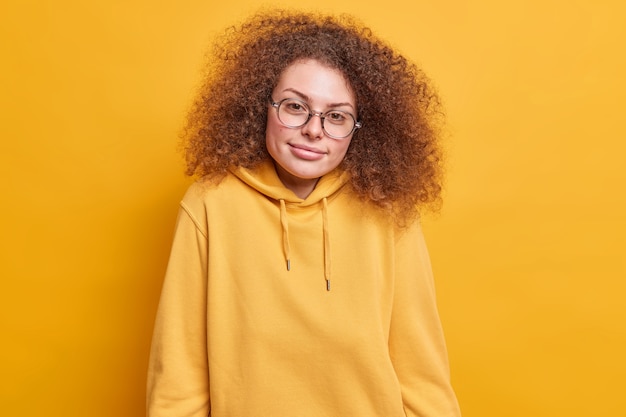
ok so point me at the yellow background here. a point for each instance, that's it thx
(528, 250)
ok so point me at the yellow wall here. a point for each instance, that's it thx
(528, 251)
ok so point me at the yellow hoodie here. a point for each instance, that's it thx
(282, 307)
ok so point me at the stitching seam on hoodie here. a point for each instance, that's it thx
(194, 220)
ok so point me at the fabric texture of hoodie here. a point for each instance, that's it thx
(273, 305)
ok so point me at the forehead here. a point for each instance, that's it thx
(315, 81)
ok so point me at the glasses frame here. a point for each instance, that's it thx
(321, 115)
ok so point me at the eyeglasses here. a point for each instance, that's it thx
(295, 113)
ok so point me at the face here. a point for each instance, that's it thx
(302, 155)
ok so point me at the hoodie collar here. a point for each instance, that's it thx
(265, 180)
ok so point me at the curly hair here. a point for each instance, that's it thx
(394, 161)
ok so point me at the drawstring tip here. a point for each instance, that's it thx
(327, 285)
(288, 264)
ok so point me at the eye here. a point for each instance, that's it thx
(336, 117)
(293, 106)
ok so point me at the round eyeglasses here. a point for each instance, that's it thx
(295, 113)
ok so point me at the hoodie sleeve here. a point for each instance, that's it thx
(178, 380)
(416, 340)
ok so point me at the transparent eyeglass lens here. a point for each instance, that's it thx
(336, 123)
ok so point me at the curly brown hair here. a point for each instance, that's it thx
(394, 161)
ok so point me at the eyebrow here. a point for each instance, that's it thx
(308, 99)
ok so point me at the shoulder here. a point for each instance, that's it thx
(203, 190)
(202, 196)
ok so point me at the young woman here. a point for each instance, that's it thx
(299, 283)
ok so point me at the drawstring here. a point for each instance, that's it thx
(285, 225)
(326, 243)
(287, 250)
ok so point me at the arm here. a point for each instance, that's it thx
(178, 380)
(416, 341)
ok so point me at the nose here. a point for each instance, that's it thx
(313, 128)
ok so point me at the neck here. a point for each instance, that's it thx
(302, 187)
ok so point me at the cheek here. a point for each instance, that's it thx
(341, 148)
(273, 129)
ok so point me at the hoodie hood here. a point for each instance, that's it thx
(265, 180)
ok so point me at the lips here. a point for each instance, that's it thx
(306, 148)
(306, 152)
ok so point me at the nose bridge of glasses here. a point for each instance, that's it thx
(319, 114)
(313, 114)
